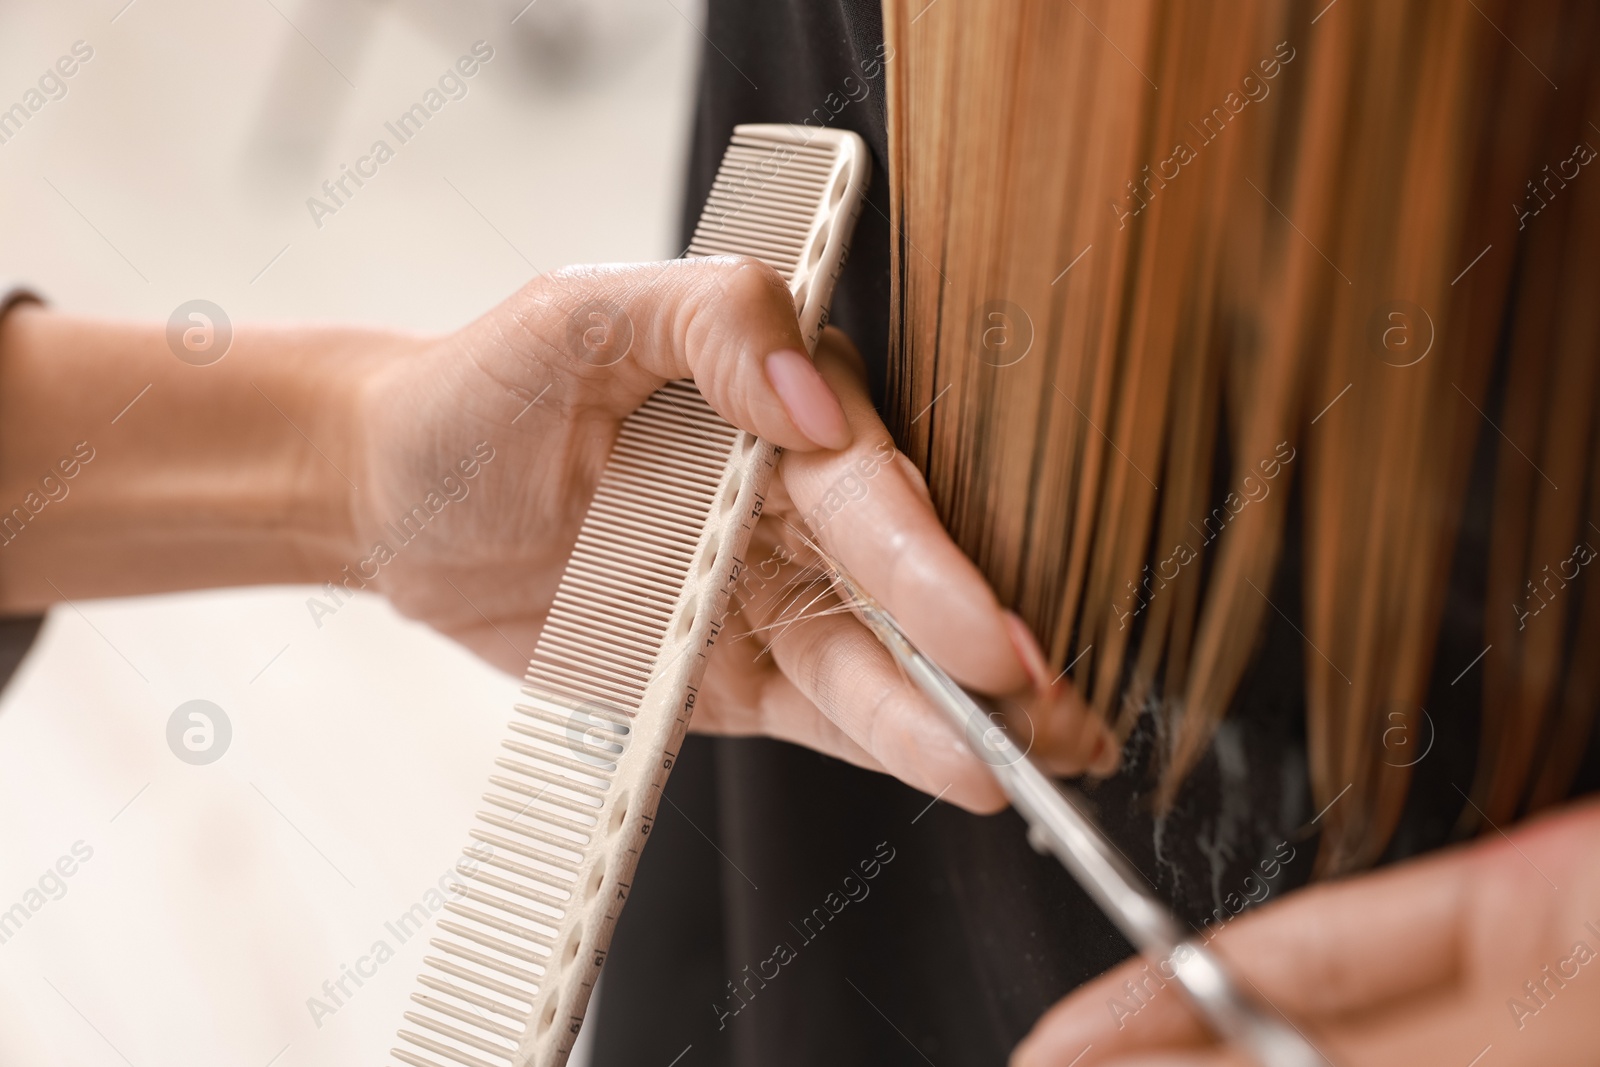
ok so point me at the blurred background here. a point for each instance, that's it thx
(208, 903)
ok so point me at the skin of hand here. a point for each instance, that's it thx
(470, 459)
(1482, 955)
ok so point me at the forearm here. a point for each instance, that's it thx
(124, 470)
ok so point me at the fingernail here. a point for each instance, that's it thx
(1028, 651)
(807, 398)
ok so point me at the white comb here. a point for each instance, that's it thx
(614, 677)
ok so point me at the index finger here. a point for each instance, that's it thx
(1322, 953)
(617, 332)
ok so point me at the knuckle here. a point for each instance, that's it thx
(576, 317)
(747, 280)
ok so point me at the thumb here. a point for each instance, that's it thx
(617, 333)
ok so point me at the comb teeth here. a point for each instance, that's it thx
(624, 619)
(621, 594)
(764, 202)
(614, 677)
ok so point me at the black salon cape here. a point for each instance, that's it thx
(753, 935)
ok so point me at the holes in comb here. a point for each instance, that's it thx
(548, 1017)
(840, 184)
(574, 943)
(686, 620)
(708, 552)
(596, 879)
(730, 494)
(818, 243)
(619, 812)
(802, 291)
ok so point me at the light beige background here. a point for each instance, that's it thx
(219, 898)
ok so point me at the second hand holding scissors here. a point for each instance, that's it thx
(1059, 822)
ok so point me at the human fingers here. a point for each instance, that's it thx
(1213, 1057)
(746, 695)
(868, 507)
(835, 666)
(613, 334)
(1322, 953)
(1132, 1008)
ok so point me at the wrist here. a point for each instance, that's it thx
(242, 471)
(323, 391)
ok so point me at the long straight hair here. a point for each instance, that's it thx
(1163, 266)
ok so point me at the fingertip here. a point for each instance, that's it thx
(1049, 1043)
(1070, 738)
(1022, 1055)
(934, 754)
(1029, 654)
(807, 399)
(982, 797)
(918, 746)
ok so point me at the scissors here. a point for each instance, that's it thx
(1059, 822)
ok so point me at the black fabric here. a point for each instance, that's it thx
(966, 935)
(790, 61)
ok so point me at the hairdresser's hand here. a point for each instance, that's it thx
(795, 651)
(1426, 963)
(500, 431)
